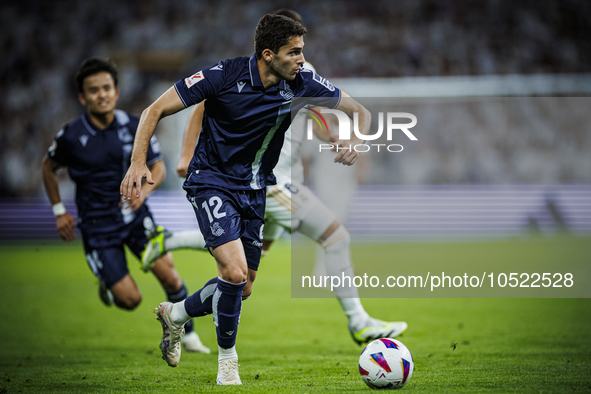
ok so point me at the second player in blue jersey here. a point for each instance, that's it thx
(246, 115)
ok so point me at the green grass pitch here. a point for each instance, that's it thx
(58, 337)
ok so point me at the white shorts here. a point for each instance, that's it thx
(291, 206)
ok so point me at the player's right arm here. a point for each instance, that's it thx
(64, 221)
(167, 104)
(192, 131)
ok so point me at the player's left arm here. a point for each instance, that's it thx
(158, 170)
(347, 155)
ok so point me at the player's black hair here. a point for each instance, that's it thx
(94, 66)
(288, 13)
(275, 31)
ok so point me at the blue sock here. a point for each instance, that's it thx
(199, 304)
(178, 297)
(227, 303)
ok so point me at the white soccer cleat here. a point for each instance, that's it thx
(171, 335)
(154, 249)
(375, 329)
(193, 344)
(228, 373)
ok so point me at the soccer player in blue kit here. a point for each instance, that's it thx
(96, 149)
(247, 111)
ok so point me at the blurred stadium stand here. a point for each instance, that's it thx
(408, 48)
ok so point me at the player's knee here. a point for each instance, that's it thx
(236, 279)
(129, 302)
(339, 239)
(235, 276)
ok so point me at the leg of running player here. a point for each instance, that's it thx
(176, 291)
(223, 296)
(126, 294)
(227, 304)
(335, 241)
(162, 241)
(294, 205)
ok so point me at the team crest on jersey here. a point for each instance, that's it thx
(323, 81)
(193, 79)
(124, 135)
(216, 229)
(287, 93)
(83, 140)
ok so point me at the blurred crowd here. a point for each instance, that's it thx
(489, 140)
(42, 43)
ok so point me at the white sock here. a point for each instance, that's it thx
(355, 312)
(338, 261)
(192, 239)
(227, 354)
(179, 313)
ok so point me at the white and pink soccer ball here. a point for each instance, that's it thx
(386, 364)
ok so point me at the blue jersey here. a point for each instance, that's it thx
(244, 124)
(97, 161)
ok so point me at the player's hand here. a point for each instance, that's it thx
(346, 155)
(183, 167)
(65, 227)
(135, 203)
(133, 179)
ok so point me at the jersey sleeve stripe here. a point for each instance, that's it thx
(256, 165)
(180, 96)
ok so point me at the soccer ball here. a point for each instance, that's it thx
(386, 364)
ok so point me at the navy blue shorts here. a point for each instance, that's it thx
(103, 244)
(227, 215)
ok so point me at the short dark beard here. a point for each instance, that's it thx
(274, 69)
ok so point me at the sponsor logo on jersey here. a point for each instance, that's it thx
(257, 244)
(193, 79)
(240, 86)
(216, 229)
(83, 140)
